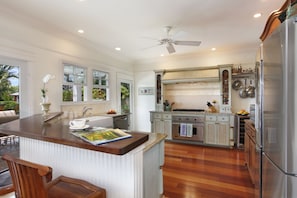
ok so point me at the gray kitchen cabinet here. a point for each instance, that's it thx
(161, 123)
(217, 130)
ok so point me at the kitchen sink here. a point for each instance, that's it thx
(100, 121)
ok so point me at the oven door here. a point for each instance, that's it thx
(196, 135)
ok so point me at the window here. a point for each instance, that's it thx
(74, 84)
(100, 89)
(9, 87)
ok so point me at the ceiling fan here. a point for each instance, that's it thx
(169, 42)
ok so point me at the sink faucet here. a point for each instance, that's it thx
(85, 109)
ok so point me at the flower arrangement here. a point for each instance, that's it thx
(45, 80)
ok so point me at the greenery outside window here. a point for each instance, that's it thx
(9, 87)
(100, 90)
(74, 83)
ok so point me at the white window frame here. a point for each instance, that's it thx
(77, 88)
(97, 83)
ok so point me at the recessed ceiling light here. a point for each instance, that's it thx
(80, 31)
(213, 49)
(162, 55)
(118, 48)
(257, 15)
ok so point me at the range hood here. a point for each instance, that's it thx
(210, 74)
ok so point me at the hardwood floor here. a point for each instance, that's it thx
(193, 171)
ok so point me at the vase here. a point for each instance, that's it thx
(45, 107)
(44, 100)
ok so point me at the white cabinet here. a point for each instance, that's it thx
(153, 162)
(159, 91)
(225, 85)
(217, 130)
(161, 123)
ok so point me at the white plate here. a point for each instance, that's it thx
(79, 128)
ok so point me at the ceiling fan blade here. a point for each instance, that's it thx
(192, 43)
(170, 48)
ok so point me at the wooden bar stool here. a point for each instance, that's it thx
(31, 180)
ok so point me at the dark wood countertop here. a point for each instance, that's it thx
(57, 131)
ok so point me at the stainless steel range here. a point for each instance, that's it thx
(188, 127)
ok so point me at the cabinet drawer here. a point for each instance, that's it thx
(157, 115)
(211, 118)
(167, 116)
(223, 118)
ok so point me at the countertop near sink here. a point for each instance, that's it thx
(57, 131)
(114, 115)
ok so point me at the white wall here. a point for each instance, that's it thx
(144, 103)
(39, 53)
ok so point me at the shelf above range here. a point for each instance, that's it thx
(249, 75)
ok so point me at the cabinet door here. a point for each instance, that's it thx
(167, 128)
(252, 157)
(247, 149)
(158, 126)
(210, 133)
(223, 133)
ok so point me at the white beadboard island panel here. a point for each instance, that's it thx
(121, 175)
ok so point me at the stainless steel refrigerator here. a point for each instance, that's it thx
(279, 112)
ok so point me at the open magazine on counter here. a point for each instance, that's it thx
(100, 135)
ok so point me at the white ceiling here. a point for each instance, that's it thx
(136, 25)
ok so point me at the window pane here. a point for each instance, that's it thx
(99, 93)
(74, 86)
(100, 78)
(100, 89)
(78, 93)
(79, 80)
(67, 93)
(68, 69)
(96, 80)
(79, 71)
(68, 78)
(104, 79)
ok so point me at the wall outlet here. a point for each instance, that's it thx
(225, 109)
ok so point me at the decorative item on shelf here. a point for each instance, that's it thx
(216, 105)
(211, 108)
(45, 104)
(45, 107)
(167, 105)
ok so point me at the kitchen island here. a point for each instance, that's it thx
(128, 168)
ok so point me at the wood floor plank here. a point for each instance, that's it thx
(194, 171)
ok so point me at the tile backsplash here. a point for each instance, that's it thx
(75, 110)
(192, 95)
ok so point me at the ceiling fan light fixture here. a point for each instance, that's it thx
(169, 42)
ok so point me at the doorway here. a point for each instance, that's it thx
(125, 99)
